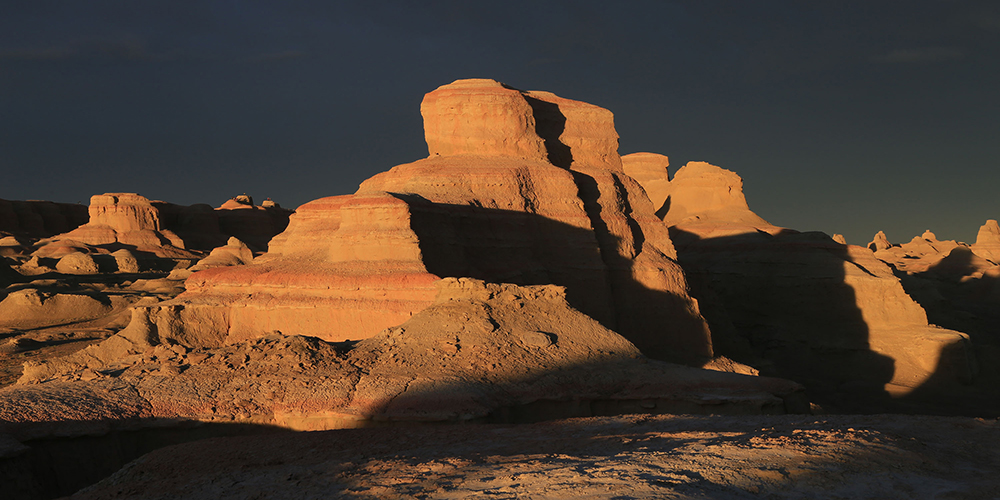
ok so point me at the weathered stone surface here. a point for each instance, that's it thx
(164, 230)
(482, 118)
(636, 456)
(701, 192)
(960, 290)
(480, 351)
(125, 261)
(920, 254)
(127, 219)
(520, 187)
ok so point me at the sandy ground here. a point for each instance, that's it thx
(677, 457)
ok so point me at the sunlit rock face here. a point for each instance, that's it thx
(519, 187)
(698, 192)
(987, 243)
(799, 305)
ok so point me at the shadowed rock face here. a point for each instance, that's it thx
(520, 187)
(40, 219)
(987, 243)
(801, 305)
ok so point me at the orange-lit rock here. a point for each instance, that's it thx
(129, 220)
(879, 242)
(651, 171)
(478, 351)
(520, 187)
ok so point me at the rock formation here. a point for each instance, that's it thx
(127, 219)
(651, 171)
(520, 187)
(699, 192)
(879, 242)
(801, 305)
(987, 243)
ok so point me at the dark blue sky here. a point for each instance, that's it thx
(841, 116)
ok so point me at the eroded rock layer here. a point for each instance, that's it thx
(520, 187)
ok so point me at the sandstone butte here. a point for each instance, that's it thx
(519, 187)
(799, 305)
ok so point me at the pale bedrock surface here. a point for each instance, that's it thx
(346, 268)
(801, 305)
(519, 187)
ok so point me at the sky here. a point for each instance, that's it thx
(841, 116)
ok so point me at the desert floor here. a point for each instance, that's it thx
(790, 456)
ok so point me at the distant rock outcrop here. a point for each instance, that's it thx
(879, 242)
(520, 187)
(155, 234)
(700, 192)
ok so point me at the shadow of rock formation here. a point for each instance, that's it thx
(801, 305)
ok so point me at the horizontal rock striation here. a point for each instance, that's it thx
(519, 187)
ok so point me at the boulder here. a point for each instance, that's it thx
(32, 308)
(77, 263)
(126, 261)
